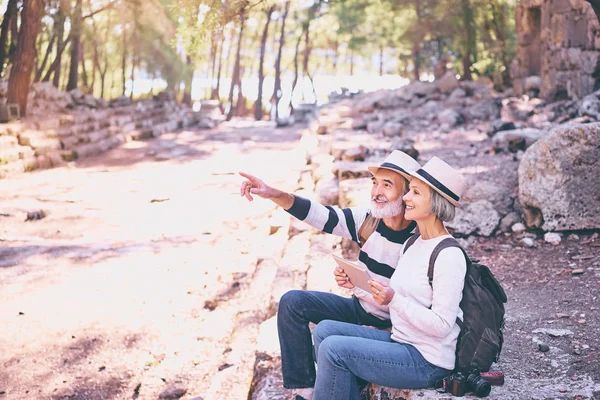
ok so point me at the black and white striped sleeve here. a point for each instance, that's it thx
(329, 219)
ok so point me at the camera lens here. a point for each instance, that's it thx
(478, 385)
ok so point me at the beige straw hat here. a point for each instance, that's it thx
(442, 178)
(400, 162)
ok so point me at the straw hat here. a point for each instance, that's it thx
(399, 162)
(442, 178)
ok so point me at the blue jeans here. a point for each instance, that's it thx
(296, 309)
(346, 352)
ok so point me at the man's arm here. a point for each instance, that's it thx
(253, 185)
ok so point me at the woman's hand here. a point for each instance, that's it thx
(382, 293)
(342, 279)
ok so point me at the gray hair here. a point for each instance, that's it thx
(441, 207)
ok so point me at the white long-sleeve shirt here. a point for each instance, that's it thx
(424, 315)
(379, 254)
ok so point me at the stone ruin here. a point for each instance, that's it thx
(558, 49)
(61, 127)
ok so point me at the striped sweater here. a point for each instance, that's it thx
(380, 253)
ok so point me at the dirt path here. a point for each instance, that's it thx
(148, 271)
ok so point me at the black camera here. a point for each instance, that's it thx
(477, 384)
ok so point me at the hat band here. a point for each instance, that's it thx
(438, 184)
(393, 166)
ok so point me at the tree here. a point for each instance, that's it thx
(277, 87)
(261, 74)
(10, 19)
(20, 74)
(236, 81)
(76, 29)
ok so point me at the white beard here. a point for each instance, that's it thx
(389, 210)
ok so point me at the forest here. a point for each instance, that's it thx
(107, 47)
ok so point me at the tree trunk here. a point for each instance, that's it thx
(20, 74)
(277, 87)
(10, 18)
(75, 46)
(416, 55)
(380, 60)
(296, 71)
(189, 77)
(60, 46)
(213, 61)
(55, 67)
(351, 62)
(469, 50)
(84, 75)
(215, 93)
(133, 63)
(336, 54)
(235, 79)
(498, 23)
(40, 70)
(124, 58)
(261, 75)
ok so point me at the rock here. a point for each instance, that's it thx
(578, 271)
(356, 154)
(355, 192)
(528, 242)
(344, 170)
(510, 220)
(499, 125)
(573, 237)
(554, 332)
(552, 238)
(172, 392)
(391, 129)
(485, 110)
(478, 217)
(543, 347)
(516, 139)
(206, 123)
(590, 106)
(374, 126)
(327, 191)
(76, 94)
(534, 83)
(500, 194)
(450, 118)
(558, 178)
(359, 124)
(406, 145)
(447, 83)
(418, 89)
(458, 93)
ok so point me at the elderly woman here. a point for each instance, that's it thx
(421, 348)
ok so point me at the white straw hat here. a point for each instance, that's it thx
(442, 178)
(399, 162)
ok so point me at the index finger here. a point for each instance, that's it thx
(375, 285)
(247, 176)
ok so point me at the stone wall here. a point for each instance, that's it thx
(559, 41)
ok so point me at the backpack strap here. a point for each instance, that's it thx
(367, 228)
(411, 240)
(444, 244)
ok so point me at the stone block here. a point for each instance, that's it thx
(355, 192)
(8, 142)
(344, 170)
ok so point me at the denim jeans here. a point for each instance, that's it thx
(299, 307)
(346, 352)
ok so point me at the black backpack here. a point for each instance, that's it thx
(480, 339)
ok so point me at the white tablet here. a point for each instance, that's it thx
(358, 276)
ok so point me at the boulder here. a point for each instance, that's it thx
(344, 170)
(406, 145)
(450, 118)
(327, 191)
(499, 125)
(499, 193)
(590, 106)
(485, 110)
(479, 217)
(516, 139)
(458, 93)
(448, 83)
(558, 179)
(533, 83)
(355, 192)
(391, 129)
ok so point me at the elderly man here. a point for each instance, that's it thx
(380, 252)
